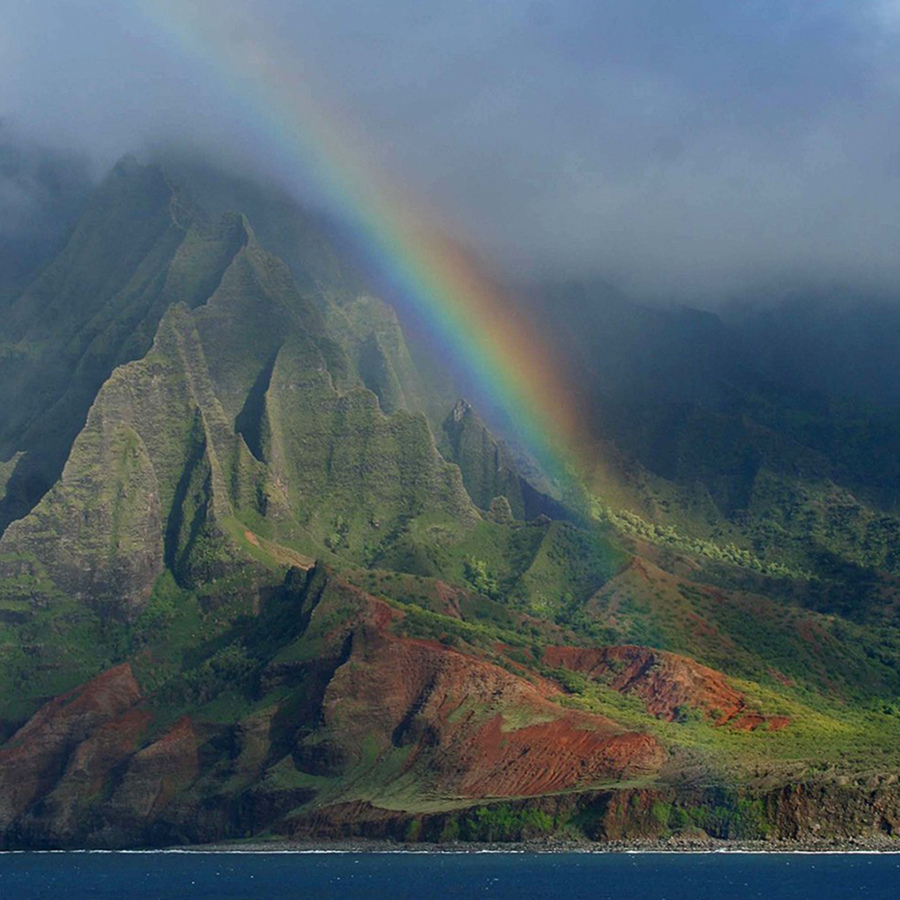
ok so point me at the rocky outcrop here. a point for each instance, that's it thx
(154, 777)
(236, 410)
(487, 467)
(829, 810)
(817, 815)
(489, 470)
(140, 246)
(147, 482)
(349, 718)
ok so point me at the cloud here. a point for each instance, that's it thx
(684, 149)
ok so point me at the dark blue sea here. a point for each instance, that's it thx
(397, 876)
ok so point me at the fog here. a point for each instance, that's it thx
(683, 150)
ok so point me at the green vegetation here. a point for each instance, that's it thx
(741, 818)
(819, 738)
(184, 431)
(476, 573)
(503, 824)
(668, 535)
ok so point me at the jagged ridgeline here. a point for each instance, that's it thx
(236, 413)
(175, 409)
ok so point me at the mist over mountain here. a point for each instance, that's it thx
(837, 342)
(683, 152)
(42, 189)
(275, 563)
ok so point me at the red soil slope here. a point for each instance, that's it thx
(669, 684)
(472, 729)
(665, 681)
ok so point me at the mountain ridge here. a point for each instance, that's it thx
(269, 574)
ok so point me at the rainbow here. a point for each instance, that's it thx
(467, 316)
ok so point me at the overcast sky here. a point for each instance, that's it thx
(684, 147)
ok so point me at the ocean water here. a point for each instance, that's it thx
(397, 876)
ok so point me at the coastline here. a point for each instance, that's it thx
(692, 844)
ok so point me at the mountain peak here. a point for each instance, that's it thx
(460, 410)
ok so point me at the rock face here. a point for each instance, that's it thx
(488, 468)
(370, 334)
(145, 479)
(154, 777)
(140, 246)
(82, 769)
(828, 811)
(488, 471)
(817, 815)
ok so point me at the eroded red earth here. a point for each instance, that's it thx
(669, 684)
(372, 713)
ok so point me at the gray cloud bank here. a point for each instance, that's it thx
(685, 149)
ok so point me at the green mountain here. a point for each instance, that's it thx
(700, 446)
(263, 574)
(96, 305)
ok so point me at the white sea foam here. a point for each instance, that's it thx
(462, 851)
